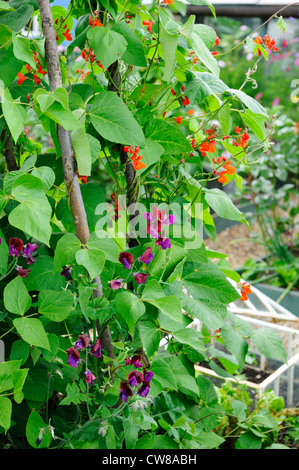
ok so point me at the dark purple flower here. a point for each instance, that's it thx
(125, 391)
(83, 342)
(134, 361)
(145, 387)
(126, 259)
(147, 256)
(116, 284)
(15, 247)
(163, 243)
(141, 278)
(89, 377)
(22, 272)
(135, 377)
(73, 356)
(96, 349)
(66, 272)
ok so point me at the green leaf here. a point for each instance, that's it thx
(207, 391)
(46, 175)
(130, 307)
(18, 379)
(34, 426)
(134, 53)
(101, 240)
(250, 102)
(16, 298)
(93, 259)
(170, 137)
(269, 343)
(256, 122)
(17, 18)
(34, 212)
(32, 331)
(209, 283)
(4, 250)
(234, 343)
(222, 204)
(55, 305)
(54, 346)
(9, 66)
(150, 337)
(6, 371)
(204, 2)
(22, 50)
(163, 374)
(169, 44)
(42, 276)
(108, 45)
(5, 6)
(191, 338)
(113, 120)
(82, 151)
(169, 306)
(203, 53)
(5, 413)
(14, 114)
(65, 251)
(63, 117)
(74, 395)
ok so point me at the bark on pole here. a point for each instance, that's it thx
(67, 152)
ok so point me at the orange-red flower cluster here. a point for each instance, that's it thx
(266, 41)
(168, 2)
(243, 139)
(149, 25)
(82, 178)
(39, 70)
(210, 145)
(94, 22)
(83, 75)
(136, 159)
(229, 170)
(178, 119)
(245, 291)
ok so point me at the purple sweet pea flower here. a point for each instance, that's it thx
(141, 278)
(163, 243)
(89, 377)
(135, 377)
(22, 272)
(66, 272)
(15, 247)
(145, 387)
(73, 356)
(125, 392)
(83, 342)
(116, 284)
(134, 361)
(147, 256)
(126, 259)
(30, 248)
(96, 349)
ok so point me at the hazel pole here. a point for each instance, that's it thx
(67, 152)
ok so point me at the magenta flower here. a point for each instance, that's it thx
(30, 248)
(276, 101)
(126, 259)
(141, 278)
(134, 361)
(22, 272)
(83, 342)
(96, 349)
(147, 256)
(116, 284)
(15, 247)
(125, 392)
(163, 243)
(89, 377)
(73, 356)
(156, 220)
